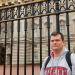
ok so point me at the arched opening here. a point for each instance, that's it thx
(1, 54)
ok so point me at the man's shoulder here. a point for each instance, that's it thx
(72, 58)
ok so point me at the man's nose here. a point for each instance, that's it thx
(54, 41)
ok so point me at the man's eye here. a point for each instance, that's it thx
(57, 40)
(52, 40)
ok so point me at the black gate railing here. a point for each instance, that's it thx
(32, 10)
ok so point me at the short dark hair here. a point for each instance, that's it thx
(56, 33)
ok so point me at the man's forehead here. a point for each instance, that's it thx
(55, 37)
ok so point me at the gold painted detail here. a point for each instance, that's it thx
(12, 2)
(9, 13)
(29, 10)
(35, 9)
(19, 1)
(51, 6)
(61, 4)
(0, 3)
(52, 0)
(2, 14)
(71, 3)
(22, 4)
(22, 11)
(26, 0)
(15, 12)
(6, 3)
(44, 7)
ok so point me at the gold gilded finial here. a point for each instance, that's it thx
(12, 2)
(6, 2)
(71, 2)
(26, 0)
(0, 3)
(19, 1)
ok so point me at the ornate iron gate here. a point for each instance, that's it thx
(32, 10)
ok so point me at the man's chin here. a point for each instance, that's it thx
(55, 48)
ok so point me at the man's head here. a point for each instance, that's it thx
(57, 41)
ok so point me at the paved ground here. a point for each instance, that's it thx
(21, 70)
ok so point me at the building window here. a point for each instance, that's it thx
(47, 31)
(35, 32)
(35, 45)
(46, 53)
(62, 29)
(35, 55)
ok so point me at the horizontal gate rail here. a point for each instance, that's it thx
(38, 15)
(47, 8)
(28, 3)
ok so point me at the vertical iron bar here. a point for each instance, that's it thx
(0, 28)
(57, 16)
(48, 6)
(67, 24)
(66, 4)
(32, 40)
(0, 22)
(25, 29)
(5, 47)
(25, 47)
(48, 26)
(18, 47)
(18, 41)
(11, 47)
(11, 42)
(40, 8)
(32, 46)
(40, 27)
(5, 40)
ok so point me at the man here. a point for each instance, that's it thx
(57, 64)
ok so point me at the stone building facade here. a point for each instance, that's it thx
(63, 29)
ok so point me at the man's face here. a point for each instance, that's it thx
(56, 42)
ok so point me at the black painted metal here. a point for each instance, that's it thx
(5, 41)
(5, 47)
(25, 47)
(32, 46)
(0, 27)
(67, 24)
(40, 8)
(0, 22)
(32, 40)
(18, 25)
(57, 16)
(48, 6)
(11, 48)
(11, 43)
(25, 29)
(48, 26)
(40, 27)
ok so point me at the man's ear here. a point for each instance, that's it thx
(63, 42)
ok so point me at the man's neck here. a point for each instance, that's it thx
(57, 53)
